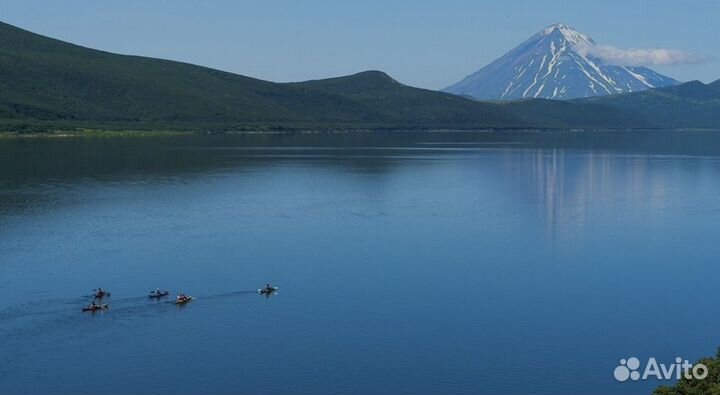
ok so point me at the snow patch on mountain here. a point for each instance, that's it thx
(556, 63)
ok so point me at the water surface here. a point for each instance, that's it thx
(418, 263)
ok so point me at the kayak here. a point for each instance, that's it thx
(267, 290)
(185, 300)
(155, 294)
(96, 307)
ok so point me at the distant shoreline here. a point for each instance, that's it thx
(56, 134)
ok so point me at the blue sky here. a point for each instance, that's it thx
(429, 44)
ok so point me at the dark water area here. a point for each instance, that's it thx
(413, 263)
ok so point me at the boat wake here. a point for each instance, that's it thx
(39, 314)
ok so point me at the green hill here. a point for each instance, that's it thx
(373, 97)
(50, 82)
(689, 105)
(566, 114)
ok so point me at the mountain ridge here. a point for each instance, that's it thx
(52, 85)
(53, 82)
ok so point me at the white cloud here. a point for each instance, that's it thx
(641, 56)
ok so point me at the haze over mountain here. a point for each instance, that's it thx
(555, 63)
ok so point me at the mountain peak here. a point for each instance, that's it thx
(567, 33)
(555, 63)
(558, 26)
(375, 74)
(355, 83)
(367, 78)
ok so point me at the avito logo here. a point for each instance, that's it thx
(630, 369)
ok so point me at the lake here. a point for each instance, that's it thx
(407, 263)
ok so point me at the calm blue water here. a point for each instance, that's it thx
(407, 263)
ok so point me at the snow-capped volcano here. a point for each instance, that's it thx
(556, 63)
